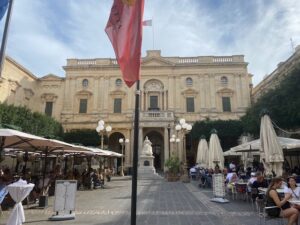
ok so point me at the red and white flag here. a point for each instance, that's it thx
(124, 29)
(147, 23)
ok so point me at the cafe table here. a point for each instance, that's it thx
(264, 190)
(294, 201)
(18, 191)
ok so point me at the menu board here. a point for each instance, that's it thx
(218, 185)
(65, 192)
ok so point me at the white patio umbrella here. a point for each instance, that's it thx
(247, 157)
(202, 153)
(215, 151)
(254, 146)
(270, 149)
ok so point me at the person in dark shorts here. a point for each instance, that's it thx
(283, 207)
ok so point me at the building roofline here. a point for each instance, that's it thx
(14, 62)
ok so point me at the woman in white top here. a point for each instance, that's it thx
(293, 189)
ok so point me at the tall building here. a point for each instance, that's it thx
(271, 80)
(194, 88)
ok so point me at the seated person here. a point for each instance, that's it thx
(107, 172)
(231, 182)
(251, 180)
(97, 179)
(229, 175)
(6, 176)
(259, 183)
(283, 208)
(86, 179)
(3, 190)
(193, 172)
(293, 189)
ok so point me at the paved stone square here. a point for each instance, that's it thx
(159, 202)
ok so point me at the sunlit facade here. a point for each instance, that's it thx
(194, 88)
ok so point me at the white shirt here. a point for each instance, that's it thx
(252, 179)
(295, 193)
(231, 166)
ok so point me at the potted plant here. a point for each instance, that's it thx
(173, 166)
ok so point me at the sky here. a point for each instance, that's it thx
(44, 33)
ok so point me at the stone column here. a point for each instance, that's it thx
(166, 146)
(101, 95)
(207, 92)
(106, 94)
(212, 92)
(67, 96)
(202, 93)
(95, 94)
(238, 93)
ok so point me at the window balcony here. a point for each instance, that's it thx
(156, 115)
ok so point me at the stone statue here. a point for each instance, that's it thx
(147, 148)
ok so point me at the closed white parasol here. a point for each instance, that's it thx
(270, 149)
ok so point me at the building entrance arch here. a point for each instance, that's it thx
(114, 145)
(157, 141)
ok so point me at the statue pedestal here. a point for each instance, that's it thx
(146, 169)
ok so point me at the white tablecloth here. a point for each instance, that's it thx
(18, 191)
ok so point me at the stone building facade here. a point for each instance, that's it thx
(272, 80)
(194, 88)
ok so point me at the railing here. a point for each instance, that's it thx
(176, 60)
(188, 60)
(156, 115)
(222, 59)
(92, 62)
(86, 62)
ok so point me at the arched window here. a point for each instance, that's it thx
(224, 80)
(85, 83)
(189, 81)
(118, 82)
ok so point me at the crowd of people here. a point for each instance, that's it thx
(89, 178)
(278, 204)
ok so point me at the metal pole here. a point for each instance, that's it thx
(44, 172)
(102, 140)
(135, 154)
(4, 37)
(122, 171)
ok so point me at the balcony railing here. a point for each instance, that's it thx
(156, 116)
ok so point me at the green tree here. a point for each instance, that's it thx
(21, 118)
(228, 131)
(85, 137)
(282, 102)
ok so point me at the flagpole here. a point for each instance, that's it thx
(4, 37)
(152, 34)
(135, 154)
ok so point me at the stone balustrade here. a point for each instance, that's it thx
(156, 116)
(176, 60)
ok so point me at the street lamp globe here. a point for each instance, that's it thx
(121, 140)
(178, 127)
(189, 127)
(182, 121)
(101, 122)
(184, 126)
(126, 140)
(108, 128)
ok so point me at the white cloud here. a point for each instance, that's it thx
(44, 34)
